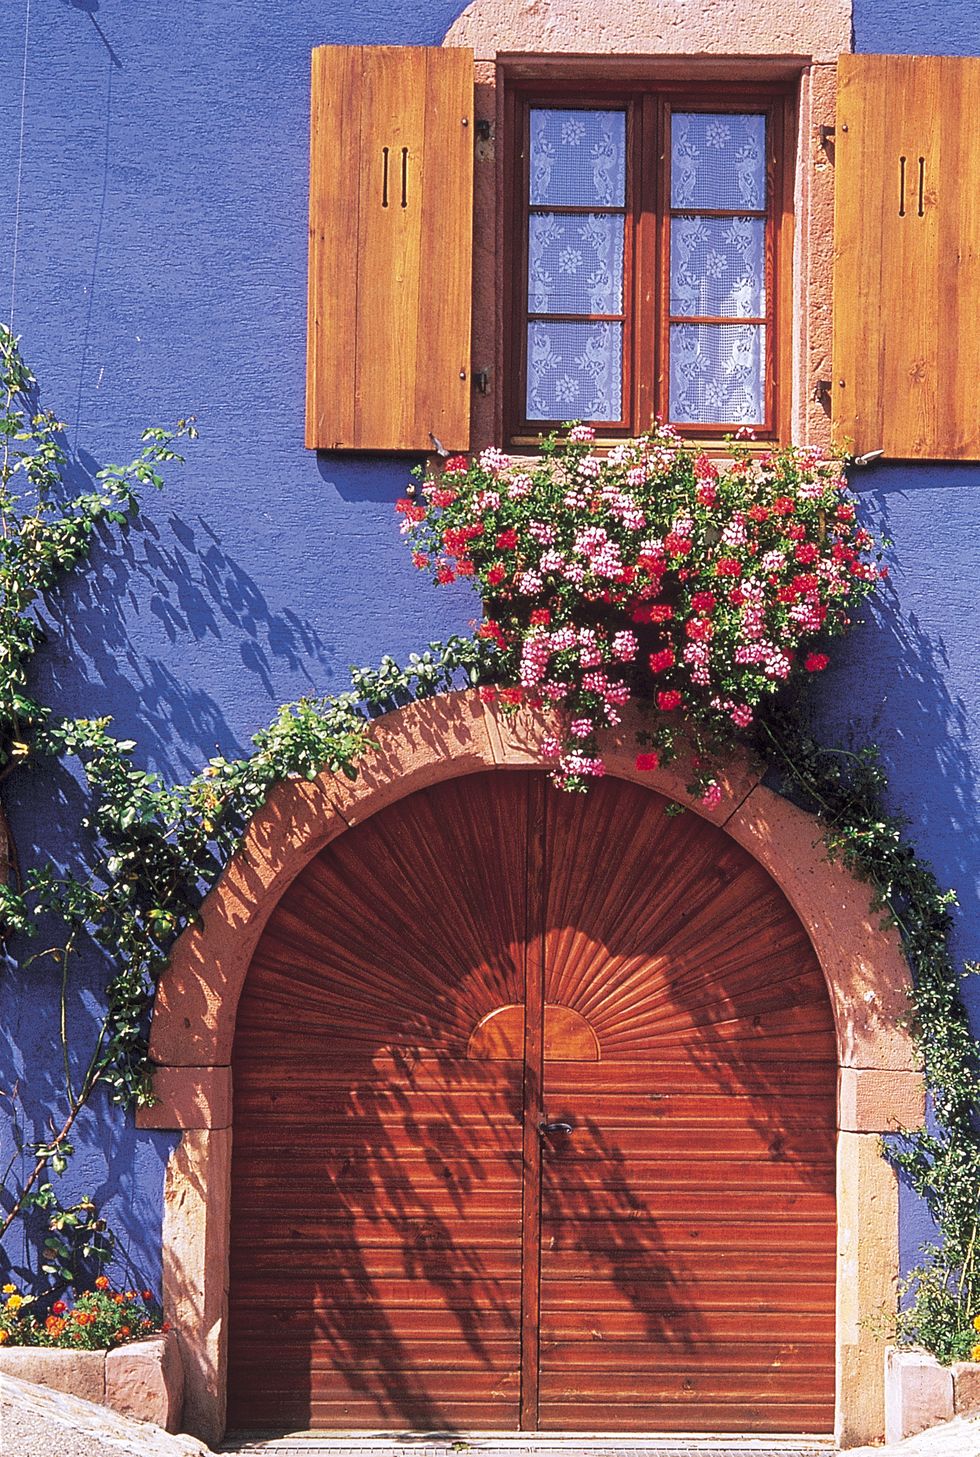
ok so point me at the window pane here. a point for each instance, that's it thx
(575, 264)
(717, 266)
(717, 160)
(574, 371)
(578, 158)
(717, 374)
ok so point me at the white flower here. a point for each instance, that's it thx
(569, 260)
(717, 135)
(572, 132)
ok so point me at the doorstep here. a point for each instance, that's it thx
(523, 1444)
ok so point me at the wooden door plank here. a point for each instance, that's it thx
(534, 1110)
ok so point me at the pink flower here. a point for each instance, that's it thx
(711, 795)
(580, 728)
(741, 715)
(625, 646)
(581, 434)
(494, 460)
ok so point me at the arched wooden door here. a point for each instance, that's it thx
(534, 1128)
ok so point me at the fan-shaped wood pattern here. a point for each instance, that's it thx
(409, 1250)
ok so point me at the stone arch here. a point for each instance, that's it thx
(193, 1025)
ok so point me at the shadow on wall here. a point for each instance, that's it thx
(196, 591)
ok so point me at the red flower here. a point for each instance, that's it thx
(491, 630)
(507, 540)
(511, 695)
(646, 762)
(795, 531)
(758, 513)
(59, 1308)
(806, 582)
(147, 1294)
(784, 505)
(786, 594)
(488, 694)
(652, 562)
(677, 545)
(445, 574)
(443, 497)
(728, 566)
(668, 699)
(660, 612)
(496, 575)
(456, 462)
(736, 596)
(707, 495)
(705, 469)
(409, 509)
(806, 553)
(699, 629)
(419, 559)
(660, 662)
(703, 602)
(815, 662)
(845, 512)
(540, 617)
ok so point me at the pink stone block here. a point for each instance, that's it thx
(145, 1380)
(918, 1393)
(77, 1373)
(966, 1387)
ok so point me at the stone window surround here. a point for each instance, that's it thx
(730, 39)
(879, 1085)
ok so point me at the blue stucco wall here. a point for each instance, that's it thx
(161, 271)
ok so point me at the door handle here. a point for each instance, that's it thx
(559, 1126)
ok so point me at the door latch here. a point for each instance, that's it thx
(554, 1127)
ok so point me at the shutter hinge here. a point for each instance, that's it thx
(481, 381)
(828, 137)
(821, 393)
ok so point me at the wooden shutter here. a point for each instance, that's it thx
(391, 184)
(907, 256)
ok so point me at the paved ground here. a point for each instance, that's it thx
(312, 1444)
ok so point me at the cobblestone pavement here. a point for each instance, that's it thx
(483, 1444)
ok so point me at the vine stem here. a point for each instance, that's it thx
(43, 1161)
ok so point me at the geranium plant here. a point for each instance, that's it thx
(647, 572)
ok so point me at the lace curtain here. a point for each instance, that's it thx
(575, 263)
(717, 268)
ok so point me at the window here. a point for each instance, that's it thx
(647, 238)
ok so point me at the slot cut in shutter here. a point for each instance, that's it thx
(907, 257)
(391, 209)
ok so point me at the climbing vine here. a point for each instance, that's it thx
(155, 848)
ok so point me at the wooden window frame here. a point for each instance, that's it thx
(648, 102)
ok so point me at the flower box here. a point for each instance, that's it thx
(142, 1379)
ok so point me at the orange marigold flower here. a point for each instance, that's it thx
(4, 1337)
(54, 1325)
(102, 1283)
